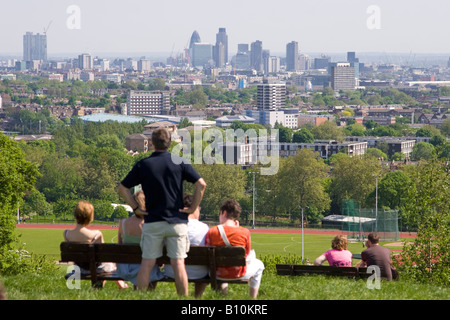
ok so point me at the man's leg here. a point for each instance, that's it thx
(143, 277)
(181, 279)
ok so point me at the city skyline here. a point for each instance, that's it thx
(100, 27)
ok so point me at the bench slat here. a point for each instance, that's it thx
(297, 270)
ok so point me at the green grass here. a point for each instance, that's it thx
(269, 247)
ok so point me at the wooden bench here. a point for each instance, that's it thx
(93, 254)
(298, 270)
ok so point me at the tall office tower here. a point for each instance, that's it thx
(322, 62)
(147, 102)
(351, 57)
(256, 58)
(242, 59)
(448, 63)
(271, 64)
(219, 55)
(270, 96)
(354, 62)
(34, 47)
(195, 38)
(201, 54)
(85, 61)
(292, 56)
(343, 76)
(222, 37)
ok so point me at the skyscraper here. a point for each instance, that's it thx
(202, 54)
(292, 56)
(195, 38)
(34, 47)
(222, 37)
(256, 56)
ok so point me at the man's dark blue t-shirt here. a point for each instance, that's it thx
(162, 182)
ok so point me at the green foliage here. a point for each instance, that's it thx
(428, 208)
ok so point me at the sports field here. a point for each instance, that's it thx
(45, 239)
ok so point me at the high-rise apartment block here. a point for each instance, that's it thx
(85, 61)
(147, 102)
(271, 96)
(343, 76)
(34, 47)
(292, 56)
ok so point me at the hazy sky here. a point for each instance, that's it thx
(159, 26)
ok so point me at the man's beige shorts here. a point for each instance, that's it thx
(157, 234)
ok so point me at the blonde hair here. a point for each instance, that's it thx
(339, 242)
(84, 213)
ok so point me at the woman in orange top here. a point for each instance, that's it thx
(229, 233)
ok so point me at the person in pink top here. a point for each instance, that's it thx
(338, 256)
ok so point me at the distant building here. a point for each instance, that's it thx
(85, 61)
(226, 121)
(34, 47)
(137, 142)
(292, 56)
(256, 56)
(342, 76)
(144, 65)
(147, 102)
(222, 38)
(202, 54)
(271, 96)
(322, 62)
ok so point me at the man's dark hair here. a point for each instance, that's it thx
(373, 237)
(161, 139)
(233, 209)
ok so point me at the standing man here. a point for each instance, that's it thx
(165, 218)
(376, 255)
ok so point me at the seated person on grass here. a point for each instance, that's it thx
(229, 233)
(84, 215)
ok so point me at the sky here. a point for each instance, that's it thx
(146, 26)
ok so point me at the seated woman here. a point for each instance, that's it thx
(130, 231)
(84, 215)
(338, 256)
(229, 233)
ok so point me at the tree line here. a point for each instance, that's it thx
(88, 161)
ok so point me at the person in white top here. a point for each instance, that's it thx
(196, 232)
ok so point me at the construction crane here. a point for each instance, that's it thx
(48, 26)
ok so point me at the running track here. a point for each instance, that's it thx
(258, 230)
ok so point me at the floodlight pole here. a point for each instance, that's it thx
(302, 236)
(253, 225)
(376, 204)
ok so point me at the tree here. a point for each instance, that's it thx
(303, 136)
(16, 177)
(328, 131)
(428, 207)
(423, 150)
(224, 182)
(301, 184)
(353, 178)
